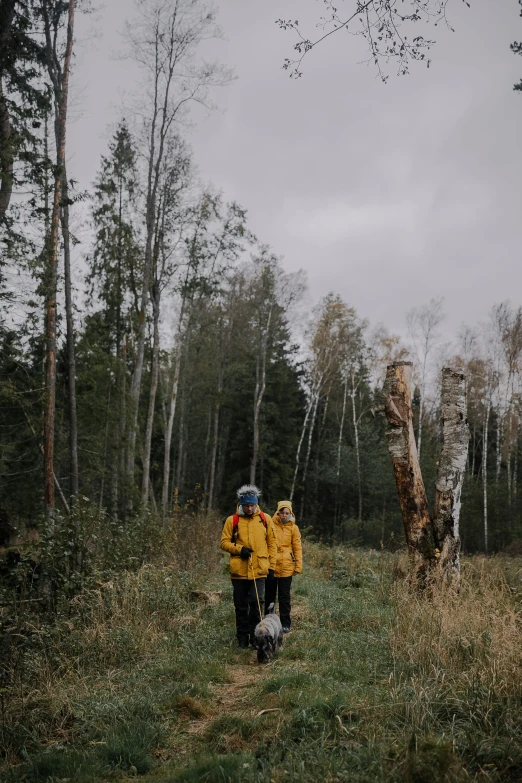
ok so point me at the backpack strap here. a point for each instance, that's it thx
(235, 523)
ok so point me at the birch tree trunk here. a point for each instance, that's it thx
(71, 360)
(418, 526)
(300, 444)
(357, 451)
(515, 459)
(500, 437)
(309, 449)
(485, 472)
(258, 396)
(7, 13)
(156, 294)
(215, 439)
(176, 362)
(52, 273)
(122, 430)
(450, 473)
(421, 414)
(339, 451)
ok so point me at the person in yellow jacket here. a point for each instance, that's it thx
(248, 536)
(289, 561)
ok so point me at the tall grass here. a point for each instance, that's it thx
(375, 683)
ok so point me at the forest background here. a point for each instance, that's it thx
(188, 359)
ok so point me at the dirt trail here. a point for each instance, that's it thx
(236, 697)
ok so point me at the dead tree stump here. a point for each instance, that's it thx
(450, 473)
(431, 541)
(418, 525)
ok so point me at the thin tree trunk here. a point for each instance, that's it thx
(515, 465)
(7, 11)
(156, 294)
(123, 425)
(51, 274)
(181, 436)
(500, 437)
(357, 452)
(485, 472)
(206, 475)
(450, 473)
(300, 444)
(421, 414)
(418, 526)
(473, 450)
(176, 361)
(169, 430)
(105, 447)
(339, 451)
(258, 397)
(215, 440)
(6, 154)
(71, 360)
(308, 450)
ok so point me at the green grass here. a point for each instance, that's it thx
(372, 685)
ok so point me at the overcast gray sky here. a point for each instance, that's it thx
(387, 194)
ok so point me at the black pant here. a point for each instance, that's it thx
(245, 603)
(281, 585)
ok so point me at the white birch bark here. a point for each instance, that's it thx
(485, 471)
(450, 474)
(300, 445)
(258, 396)
(357, 451)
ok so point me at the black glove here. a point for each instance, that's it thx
(271, 573)
(245, 553)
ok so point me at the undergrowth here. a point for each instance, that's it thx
(136, 678)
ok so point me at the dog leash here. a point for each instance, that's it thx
(261, 618)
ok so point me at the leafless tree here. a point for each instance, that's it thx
(163, 40)
(383, 25)
(423, 323)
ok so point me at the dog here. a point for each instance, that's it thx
(268, 635)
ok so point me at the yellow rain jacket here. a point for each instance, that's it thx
(289, 559)
(251, 532)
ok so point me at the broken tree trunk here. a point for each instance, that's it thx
(410, 486)
(450, 473)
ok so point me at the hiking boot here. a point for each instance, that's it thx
(243, 642)
(286, 629)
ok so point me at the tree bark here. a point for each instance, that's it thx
(215, 440)
(339, 450)
(450, 473)
(300, 445)
(309, 449)
(156, 294)
(258, 397)
(421, 414)
(418, 526)
(515, 459)
(357, 451)
(169, 429)
(485, 472)
(7, 10)
(71, 360)
(51, 274)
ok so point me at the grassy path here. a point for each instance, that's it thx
(153, 686)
